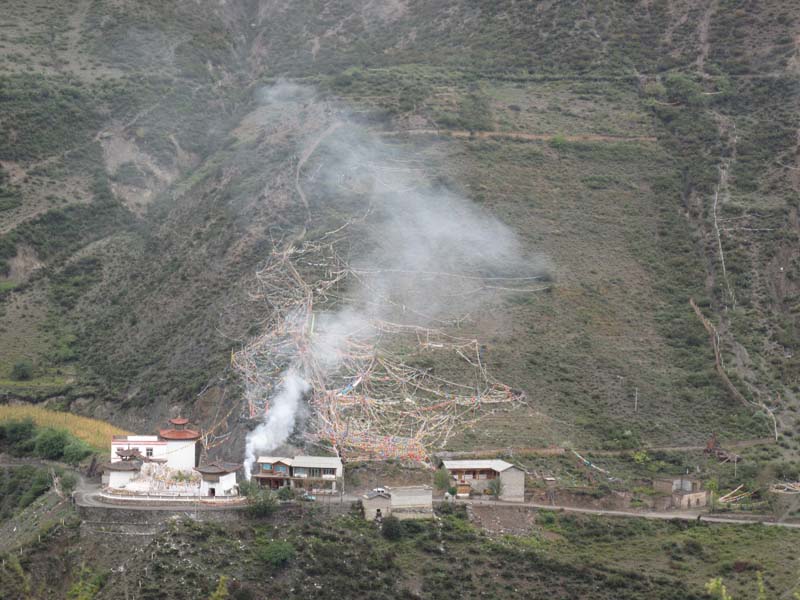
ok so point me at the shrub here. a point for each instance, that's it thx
(262, 503)
(75, 451)
(50, 443)
(496, 487)
(441, 479)
(14, 432)
(285, 493)
(22, 371)
(276, 553)
(222, 589)
(68, 482)
(412, 527)
(392, 528)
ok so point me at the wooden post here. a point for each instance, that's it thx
(636, 401)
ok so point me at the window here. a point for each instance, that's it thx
(149, 452)
(266, 467)
(329, 471)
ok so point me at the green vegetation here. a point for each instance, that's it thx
(275, 553)
(87, 585)
(496, 487)
(142, 186)
(442, 479)
(23, 438)
(261, 502)
(560, 556)
(19, 487)
(22, 371)
(392, 528)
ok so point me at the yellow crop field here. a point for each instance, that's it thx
(94, 432)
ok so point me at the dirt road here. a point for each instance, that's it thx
(663, 516)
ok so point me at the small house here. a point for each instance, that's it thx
(218, 479)
(377, 505)
(476, 475)
(117, 474)
(683, 492)
(410, 502)
(317, 474)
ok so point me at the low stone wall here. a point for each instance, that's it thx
(178, 502)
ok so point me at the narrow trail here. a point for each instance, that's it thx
(554, 450)
(702, 34)
(660, 516)
(517, 135)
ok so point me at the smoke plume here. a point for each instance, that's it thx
(275, 429)
(421, 254)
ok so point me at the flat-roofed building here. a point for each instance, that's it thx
(409, 502)
(683, 491)
(319, 474)
(476, 475)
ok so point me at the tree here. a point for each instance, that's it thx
(22, 371)
(285, 493)
(261, 503)
(441, 479)
(392, 528)
(50, 443)
(496, 487)
(75, 451)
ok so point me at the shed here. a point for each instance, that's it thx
(376, 504)
(218, 479)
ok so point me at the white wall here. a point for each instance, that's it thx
(118, 479)
(180, 454)
(224, 487)
(513, 485)
(412, 497)
(159, 448)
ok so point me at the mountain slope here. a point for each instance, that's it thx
(144, 184)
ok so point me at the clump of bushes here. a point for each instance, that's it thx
(392, 529)
(22, 371)
(23, 438)
(276, 553)
(261, 502)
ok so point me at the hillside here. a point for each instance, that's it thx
(646, 154)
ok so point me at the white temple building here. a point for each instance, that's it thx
(167, 465)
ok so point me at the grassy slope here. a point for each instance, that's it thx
(561, 556)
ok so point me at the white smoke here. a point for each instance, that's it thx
(275, 430)
(422, 254)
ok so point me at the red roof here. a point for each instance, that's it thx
(179, 421)
(179, 434)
